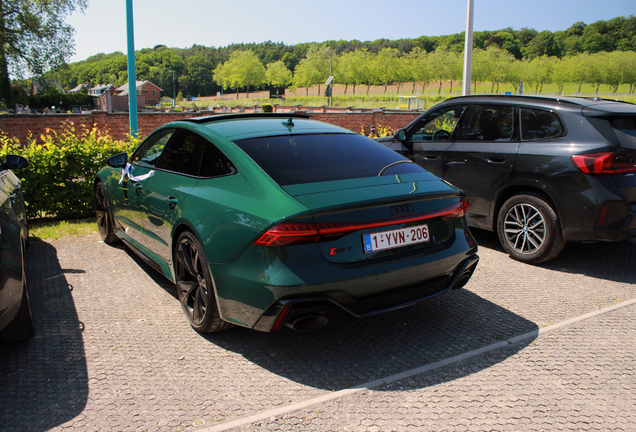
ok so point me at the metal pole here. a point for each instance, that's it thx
(468, 48)
(331, 74)
(132, 77)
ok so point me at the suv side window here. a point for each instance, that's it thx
(539, 124)
(490, 123)
(182, 154)
(438, 125)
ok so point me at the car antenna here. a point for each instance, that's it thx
(289, 124)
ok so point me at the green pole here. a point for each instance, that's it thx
(132, 77)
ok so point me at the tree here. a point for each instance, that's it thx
(352, 69)
(198, 79)
(540, 71)
(278, 75)
(313, 69)
(445, 66)
(243, 69)
(387, 67)
(499, 62)
(33, 38)
(420, 69)
(543, 44)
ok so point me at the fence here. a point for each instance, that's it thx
(22, 126)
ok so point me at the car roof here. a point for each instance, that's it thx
(254, 125)
(588, 104)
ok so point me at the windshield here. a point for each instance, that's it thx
(298, 159)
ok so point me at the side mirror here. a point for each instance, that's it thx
(16, 162)
(117, 161)
(400, 135)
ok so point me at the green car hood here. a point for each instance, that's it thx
(325, 195)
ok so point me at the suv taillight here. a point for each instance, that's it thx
(603, 163)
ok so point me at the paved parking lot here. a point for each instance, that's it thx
(112, 352)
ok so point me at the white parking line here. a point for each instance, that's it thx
(416, 371)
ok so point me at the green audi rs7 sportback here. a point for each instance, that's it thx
(263, 220)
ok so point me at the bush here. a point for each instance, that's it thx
(267, 108)
(60, 178)
(380, 132)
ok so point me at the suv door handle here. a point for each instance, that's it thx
(500, 159)
(172, 202)
(430, 157)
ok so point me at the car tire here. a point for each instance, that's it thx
(104, 220)
(21, 328)
(195, 286)
(529, 229)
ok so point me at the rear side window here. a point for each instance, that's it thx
(298, 159)
(538, 124)
(214, 163)
(490, 123)
(625, 129)
(182, 154)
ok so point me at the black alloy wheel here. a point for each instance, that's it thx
(195, 286)
(104, 221)
(529, 230)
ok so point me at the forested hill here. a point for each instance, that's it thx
(192, 69)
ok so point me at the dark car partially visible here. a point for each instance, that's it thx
(16, 323)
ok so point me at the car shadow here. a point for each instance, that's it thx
(350, 351)
(44, 381)
(613, 261)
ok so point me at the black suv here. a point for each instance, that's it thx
(540, 171)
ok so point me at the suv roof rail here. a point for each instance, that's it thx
(598, 99)
(220, 117)
(558, 99)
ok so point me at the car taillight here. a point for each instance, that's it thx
(288, 233)
(293, 233)
(603, 163)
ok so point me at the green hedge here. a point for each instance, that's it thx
(62, 168)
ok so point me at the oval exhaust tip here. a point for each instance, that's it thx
(307, 322)
(462, 281)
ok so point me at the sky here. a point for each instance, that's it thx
(101, 28)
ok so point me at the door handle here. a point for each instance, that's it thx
(138, 188)
(497, 159)
(430, 157)
(172, 202)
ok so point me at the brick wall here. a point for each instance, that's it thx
(117, 124)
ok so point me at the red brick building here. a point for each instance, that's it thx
(148, 94)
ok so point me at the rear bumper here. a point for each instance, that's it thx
(263, 277)
(598, 208)
(612, 221)
(372, 304)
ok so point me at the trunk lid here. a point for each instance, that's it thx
(381, 217)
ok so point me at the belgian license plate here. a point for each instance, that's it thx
(395, 238)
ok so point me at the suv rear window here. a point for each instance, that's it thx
(539, 124)
(298, 159)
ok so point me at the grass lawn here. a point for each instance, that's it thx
(46, 230)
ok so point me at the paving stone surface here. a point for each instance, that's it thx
(113, 352)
